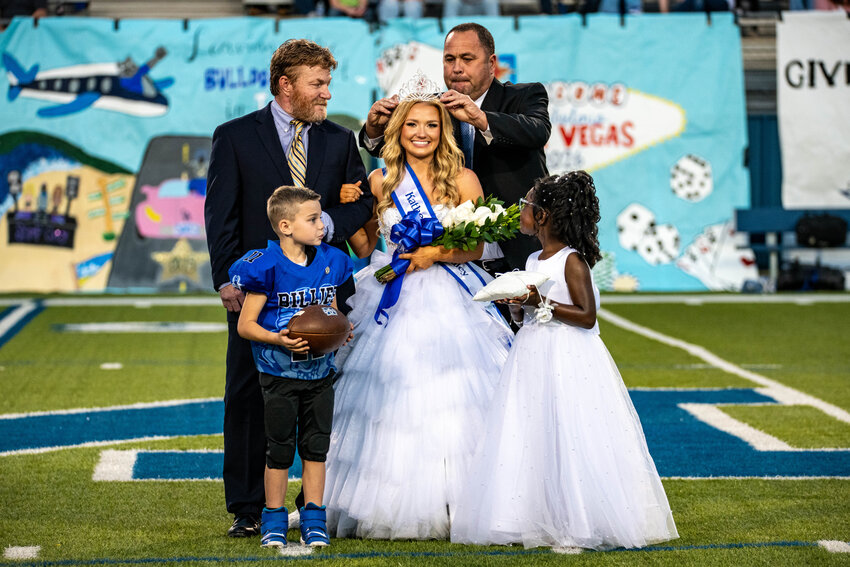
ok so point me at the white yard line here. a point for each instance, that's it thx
(140, 405)
(771, 388)
(144, 327)
(833, 546)
(115, 465)
(40, 450)
(713, 416)
(139, 301)
(118, 465)
(16, 315)
(18, 552)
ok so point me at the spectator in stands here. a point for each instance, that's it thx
(695, 6)
(820, 5)
(351, 8)
(614, 7)
(298, 8)
(389, 9)
(11, 8)
(452, 8)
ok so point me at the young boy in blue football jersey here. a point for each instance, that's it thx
(297, 387)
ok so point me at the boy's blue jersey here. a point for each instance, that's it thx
(288, 287)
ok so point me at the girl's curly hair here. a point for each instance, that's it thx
(570, 199)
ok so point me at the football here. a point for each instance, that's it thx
(322, 326)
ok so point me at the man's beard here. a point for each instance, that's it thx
(303, 108)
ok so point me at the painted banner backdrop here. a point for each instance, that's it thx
(105, 135)
(813, 90)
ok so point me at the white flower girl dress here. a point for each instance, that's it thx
(563, 461)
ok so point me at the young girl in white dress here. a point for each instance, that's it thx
(420, 373)
(563, 459)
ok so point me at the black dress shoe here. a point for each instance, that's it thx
(244, 525)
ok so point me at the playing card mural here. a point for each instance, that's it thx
(655, 113)
(717, 258)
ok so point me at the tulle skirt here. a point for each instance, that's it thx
(563, 461)
(410, 406)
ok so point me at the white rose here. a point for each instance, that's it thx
(449, 220)
(497, 208)
(480, 215)
(463, 212)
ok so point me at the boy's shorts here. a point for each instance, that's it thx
(302, 406)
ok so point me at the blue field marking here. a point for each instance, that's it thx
(9, 329)
(161, 465)
(484, 552)
(683, 446)
(680, 444)
(187, 465)
(60, 429)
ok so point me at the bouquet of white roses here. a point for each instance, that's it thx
(467, 225)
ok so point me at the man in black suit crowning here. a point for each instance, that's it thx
(502, 128)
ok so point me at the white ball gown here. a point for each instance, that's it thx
(563, 461)
(410, 404)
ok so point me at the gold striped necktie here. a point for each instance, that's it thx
(297, 158)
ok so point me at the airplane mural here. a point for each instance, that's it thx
(120, 87)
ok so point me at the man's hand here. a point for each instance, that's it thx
(379, 116)
(350, 192)
(231, 298)
(464, 109)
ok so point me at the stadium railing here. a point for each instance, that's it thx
(771, 224)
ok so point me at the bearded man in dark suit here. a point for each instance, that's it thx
(250, 158)
(507, 126)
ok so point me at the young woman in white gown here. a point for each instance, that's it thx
(563, 461)
(419, 375)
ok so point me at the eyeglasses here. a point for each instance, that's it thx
(523, 202)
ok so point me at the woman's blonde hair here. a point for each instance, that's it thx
(445, 167)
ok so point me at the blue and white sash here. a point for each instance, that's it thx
(409, 196)
(419, 227)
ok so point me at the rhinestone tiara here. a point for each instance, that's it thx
(419, 87)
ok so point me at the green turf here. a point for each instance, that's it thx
(53, 496)
(645, 363)
(801, 346)
(49, 499)
(156, 366)
(799, 426)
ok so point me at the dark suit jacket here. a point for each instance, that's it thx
(518, 116)
(247, 164)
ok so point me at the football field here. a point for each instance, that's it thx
(111, 412)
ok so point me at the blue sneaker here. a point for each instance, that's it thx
(273, 527)
(314, 530)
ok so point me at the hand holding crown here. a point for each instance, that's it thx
(463, 108)
(379, 116)
(418, 87)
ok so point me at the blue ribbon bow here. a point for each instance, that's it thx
(409, 234)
